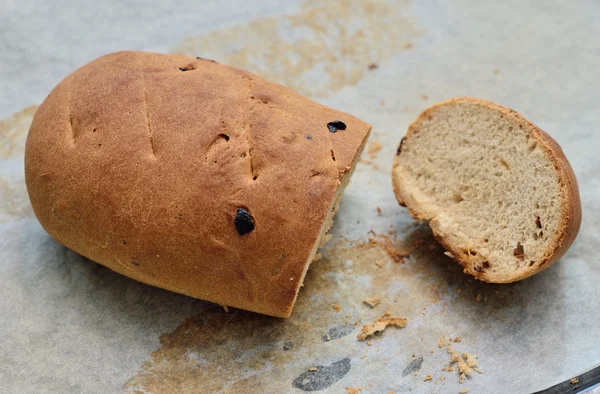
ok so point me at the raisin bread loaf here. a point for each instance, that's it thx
(190, 175)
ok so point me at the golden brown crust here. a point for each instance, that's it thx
(570, 200)
(139, 161)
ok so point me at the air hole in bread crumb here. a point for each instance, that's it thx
(519, 252)
(254, 177)
(510, 128)
(224, 136)
(243, 155)
(486, 265)
(505, 164)
(535, 236)
(472, 252)
(332, 155)
(124, 242)
(538, 222)
(532, 147)
(531, 263)
(458, 198)
(486, 240)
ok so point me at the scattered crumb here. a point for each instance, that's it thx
(416, 222)
(387, 313)
(336, 307)
(496, 70)
(441, 344)
(457, 339)
(478, 298)
(369, 343)
(226, 308)
(463, 391)
(427, 378)
(408, 45)
(327, 337)
(374, 149)
(449, 254)
(380, 325)
(471, 361)
(373, 301)
(574, 381)
(352, 390)
(363, 356)
(424, 96)
(379, 211)
(423, 311)
(313, 369)
(414, 355)
(318, 256)
(373, 66)
(379, 263)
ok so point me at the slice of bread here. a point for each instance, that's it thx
(498, 192)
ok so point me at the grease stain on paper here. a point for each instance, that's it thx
(317, 52)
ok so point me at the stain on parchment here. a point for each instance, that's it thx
(316, 52)
(13, 132)
(323, 376)
(413, 366)
(338, 332)
(14, 201)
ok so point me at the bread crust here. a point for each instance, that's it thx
(570, 200)
(140, 161)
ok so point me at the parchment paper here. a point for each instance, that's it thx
(70, 325)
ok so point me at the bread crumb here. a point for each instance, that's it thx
(373, 66)
(373, 301)
(374, 149)
(496, 70)
(471, 361)
(478, 298)
(427, 378)
(463, 391)
(352, 390)
(369, 343)
(408, 45)
(574, 381)
(457, 339)
(379, 263)
(380, 325)
(387, 313)
(226, 308)
(379, 211)
(363, 356)
(336, 307)
(414, 355)
(441, 344)
(424, 96)
(313, 369)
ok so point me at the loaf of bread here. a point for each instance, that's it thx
(498, 192)
(190, 175)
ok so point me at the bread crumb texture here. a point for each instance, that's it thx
(498, 192)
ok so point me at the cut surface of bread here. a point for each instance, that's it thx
(190, 175)
(498, 192)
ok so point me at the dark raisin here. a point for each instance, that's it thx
(478, 268)
(400, 146)
(309, 137)
(336, 125)
(203, 58)
(244, 222)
